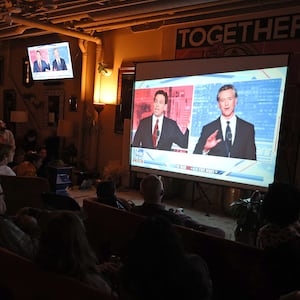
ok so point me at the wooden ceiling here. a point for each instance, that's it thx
(80, 18)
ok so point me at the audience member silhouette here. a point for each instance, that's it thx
(2, 202)
(157, 266)
(30, 165)
(152, 189)
(280, 236)
(5, 150)
(295, 295)
(42, 171)
(52, 147)
(19, 233)
(30, 142)
(280, 210)
(64, 249)
(106, 194)
(7, 137)
(19, 157)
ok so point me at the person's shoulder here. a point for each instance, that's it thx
(213, 123)
(146, 120)
(9, 132)
(173, 217)
(169, 121)
(243, 122)
(6, 170)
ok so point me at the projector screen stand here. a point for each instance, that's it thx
(202, 194)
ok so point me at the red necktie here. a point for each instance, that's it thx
(154, 135)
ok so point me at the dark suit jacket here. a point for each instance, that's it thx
(62, 66)
(243, 146)
(45, 66)
(170, 133)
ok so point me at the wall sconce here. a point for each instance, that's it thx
(103, 70)
(18, 116)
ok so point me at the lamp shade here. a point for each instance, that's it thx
(65, 128)
(19, 116)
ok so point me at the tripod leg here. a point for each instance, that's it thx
(202, 194)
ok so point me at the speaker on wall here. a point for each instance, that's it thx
(27, 77)
(125, 89)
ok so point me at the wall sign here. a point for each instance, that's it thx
(192, 41)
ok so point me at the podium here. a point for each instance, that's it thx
(59, 178)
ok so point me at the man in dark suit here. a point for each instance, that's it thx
(228, 135)
(39, 65)
(58, 63)
(158, 131)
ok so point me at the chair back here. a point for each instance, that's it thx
(53, 201)
(23, 191)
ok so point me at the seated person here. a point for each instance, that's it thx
(280, 210)
(30, 165)
(5, 150)
(19, 233)
(295, 295)
(152, 189)
(280, 236)
(157, 266)
(2, 202)
(30, 142)
(42, 170)
(64, 249)
(18, 157)
(106, 194)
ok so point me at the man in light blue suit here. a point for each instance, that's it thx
(58, 63)
(229, 135)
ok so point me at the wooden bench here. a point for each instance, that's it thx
(236, 269)
(22, 191)
(23, 280)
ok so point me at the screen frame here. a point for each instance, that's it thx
(48, 56)
(187, 67)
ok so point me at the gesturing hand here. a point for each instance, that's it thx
(212, 141)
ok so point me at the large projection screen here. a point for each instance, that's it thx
(192, 87)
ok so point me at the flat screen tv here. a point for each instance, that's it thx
(192, 87)
(51, 61)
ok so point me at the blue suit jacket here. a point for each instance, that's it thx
(45, 66)
(244, 142)
(170, 134)
(62, 66)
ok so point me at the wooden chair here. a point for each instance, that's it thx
(53, 201)
(236, 269)
(23, 280)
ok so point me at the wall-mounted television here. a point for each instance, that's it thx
(192, 87)
(50, 61)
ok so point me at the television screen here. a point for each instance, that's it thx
(193, 140)
(51, 61)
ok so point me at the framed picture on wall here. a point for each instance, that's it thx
(54, 109)
(124, 97)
